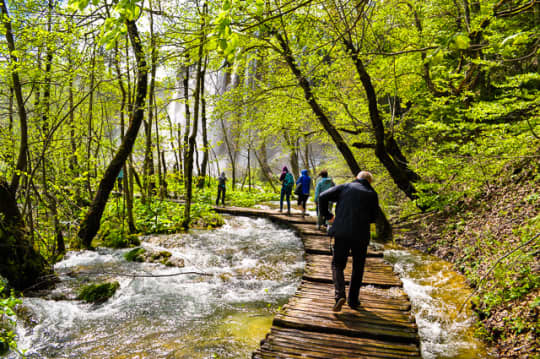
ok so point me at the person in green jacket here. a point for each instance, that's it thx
(322, 185)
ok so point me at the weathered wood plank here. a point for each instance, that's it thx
(316, 244)
(322, 345)
(319, 269)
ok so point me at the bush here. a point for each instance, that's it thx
(7, 323)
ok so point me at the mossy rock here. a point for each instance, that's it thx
(135, 255)
(160, 256)
(98, 293)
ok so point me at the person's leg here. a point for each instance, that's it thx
(288, 196)
(281, 199)
(223, 196)
(359, 253)
(339, 262)
(319, 216)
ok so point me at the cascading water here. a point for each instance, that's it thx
(252, 266)
(437, 293)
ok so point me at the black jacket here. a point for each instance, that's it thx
(357, 207)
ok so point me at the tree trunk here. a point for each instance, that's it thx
(340, 143)
(91, 223)
(188, 176)
(21, 264)
(127, 180)
(187, 118)
(160, 163)
(17, 88)
(204, 163)
(398, 169)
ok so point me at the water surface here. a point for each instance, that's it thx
(252, 268)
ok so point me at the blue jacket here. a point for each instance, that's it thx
(306, 182)
(357, 206)
(322, 185)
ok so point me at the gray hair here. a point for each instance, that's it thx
(365, 175)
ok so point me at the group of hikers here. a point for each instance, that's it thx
(302, 191)
(357, 206)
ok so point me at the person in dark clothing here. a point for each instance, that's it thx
(287, 183)
(357, 206)
(221, 188)
(305, 182)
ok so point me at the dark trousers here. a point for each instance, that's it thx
(320, 219)
(302, 200)
(285, 194)
(358, 248)
(220, 192)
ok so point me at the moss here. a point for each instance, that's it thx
(98, 293)
(161, 256)
(135, 255)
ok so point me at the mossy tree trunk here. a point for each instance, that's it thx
(21, 264)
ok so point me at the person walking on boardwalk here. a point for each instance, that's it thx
(322, 185)
(304, 182)
(221, 188)
(357, 206)
(287, 183)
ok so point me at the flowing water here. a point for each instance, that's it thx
(246, 270)
(437, 293)
(254, 267)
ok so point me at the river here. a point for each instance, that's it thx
(246, 270)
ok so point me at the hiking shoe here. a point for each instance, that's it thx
(339, 304)
(353, 305)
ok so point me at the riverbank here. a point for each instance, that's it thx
(491, 240)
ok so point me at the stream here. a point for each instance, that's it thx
(245, 271)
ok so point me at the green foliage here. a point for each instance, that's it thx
(98, 293)
(7, 320)
(135, 255)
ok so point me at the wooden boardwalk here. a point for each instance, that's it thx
(306, 327)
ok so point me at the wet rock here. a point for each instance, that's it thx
(150, 256)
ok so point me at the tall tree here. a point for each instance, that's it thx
(91, 223)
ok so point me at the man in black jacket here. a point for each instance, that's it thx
(357, 207)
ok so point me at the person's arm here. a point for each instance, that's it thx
(282, 177)
(331, 194)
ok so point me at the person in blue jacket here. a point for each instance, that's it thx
(305, 181)
(322, 185)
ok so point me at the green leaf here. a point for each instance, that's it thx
(462, 41)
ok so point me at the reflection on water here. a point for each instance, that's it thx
(254, 267)
(437, 293)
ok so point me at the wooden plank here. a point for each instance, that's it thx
(315, 244)
(376, 272)
(310, 344)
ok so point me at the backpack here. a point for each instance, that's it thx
(288, 181)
